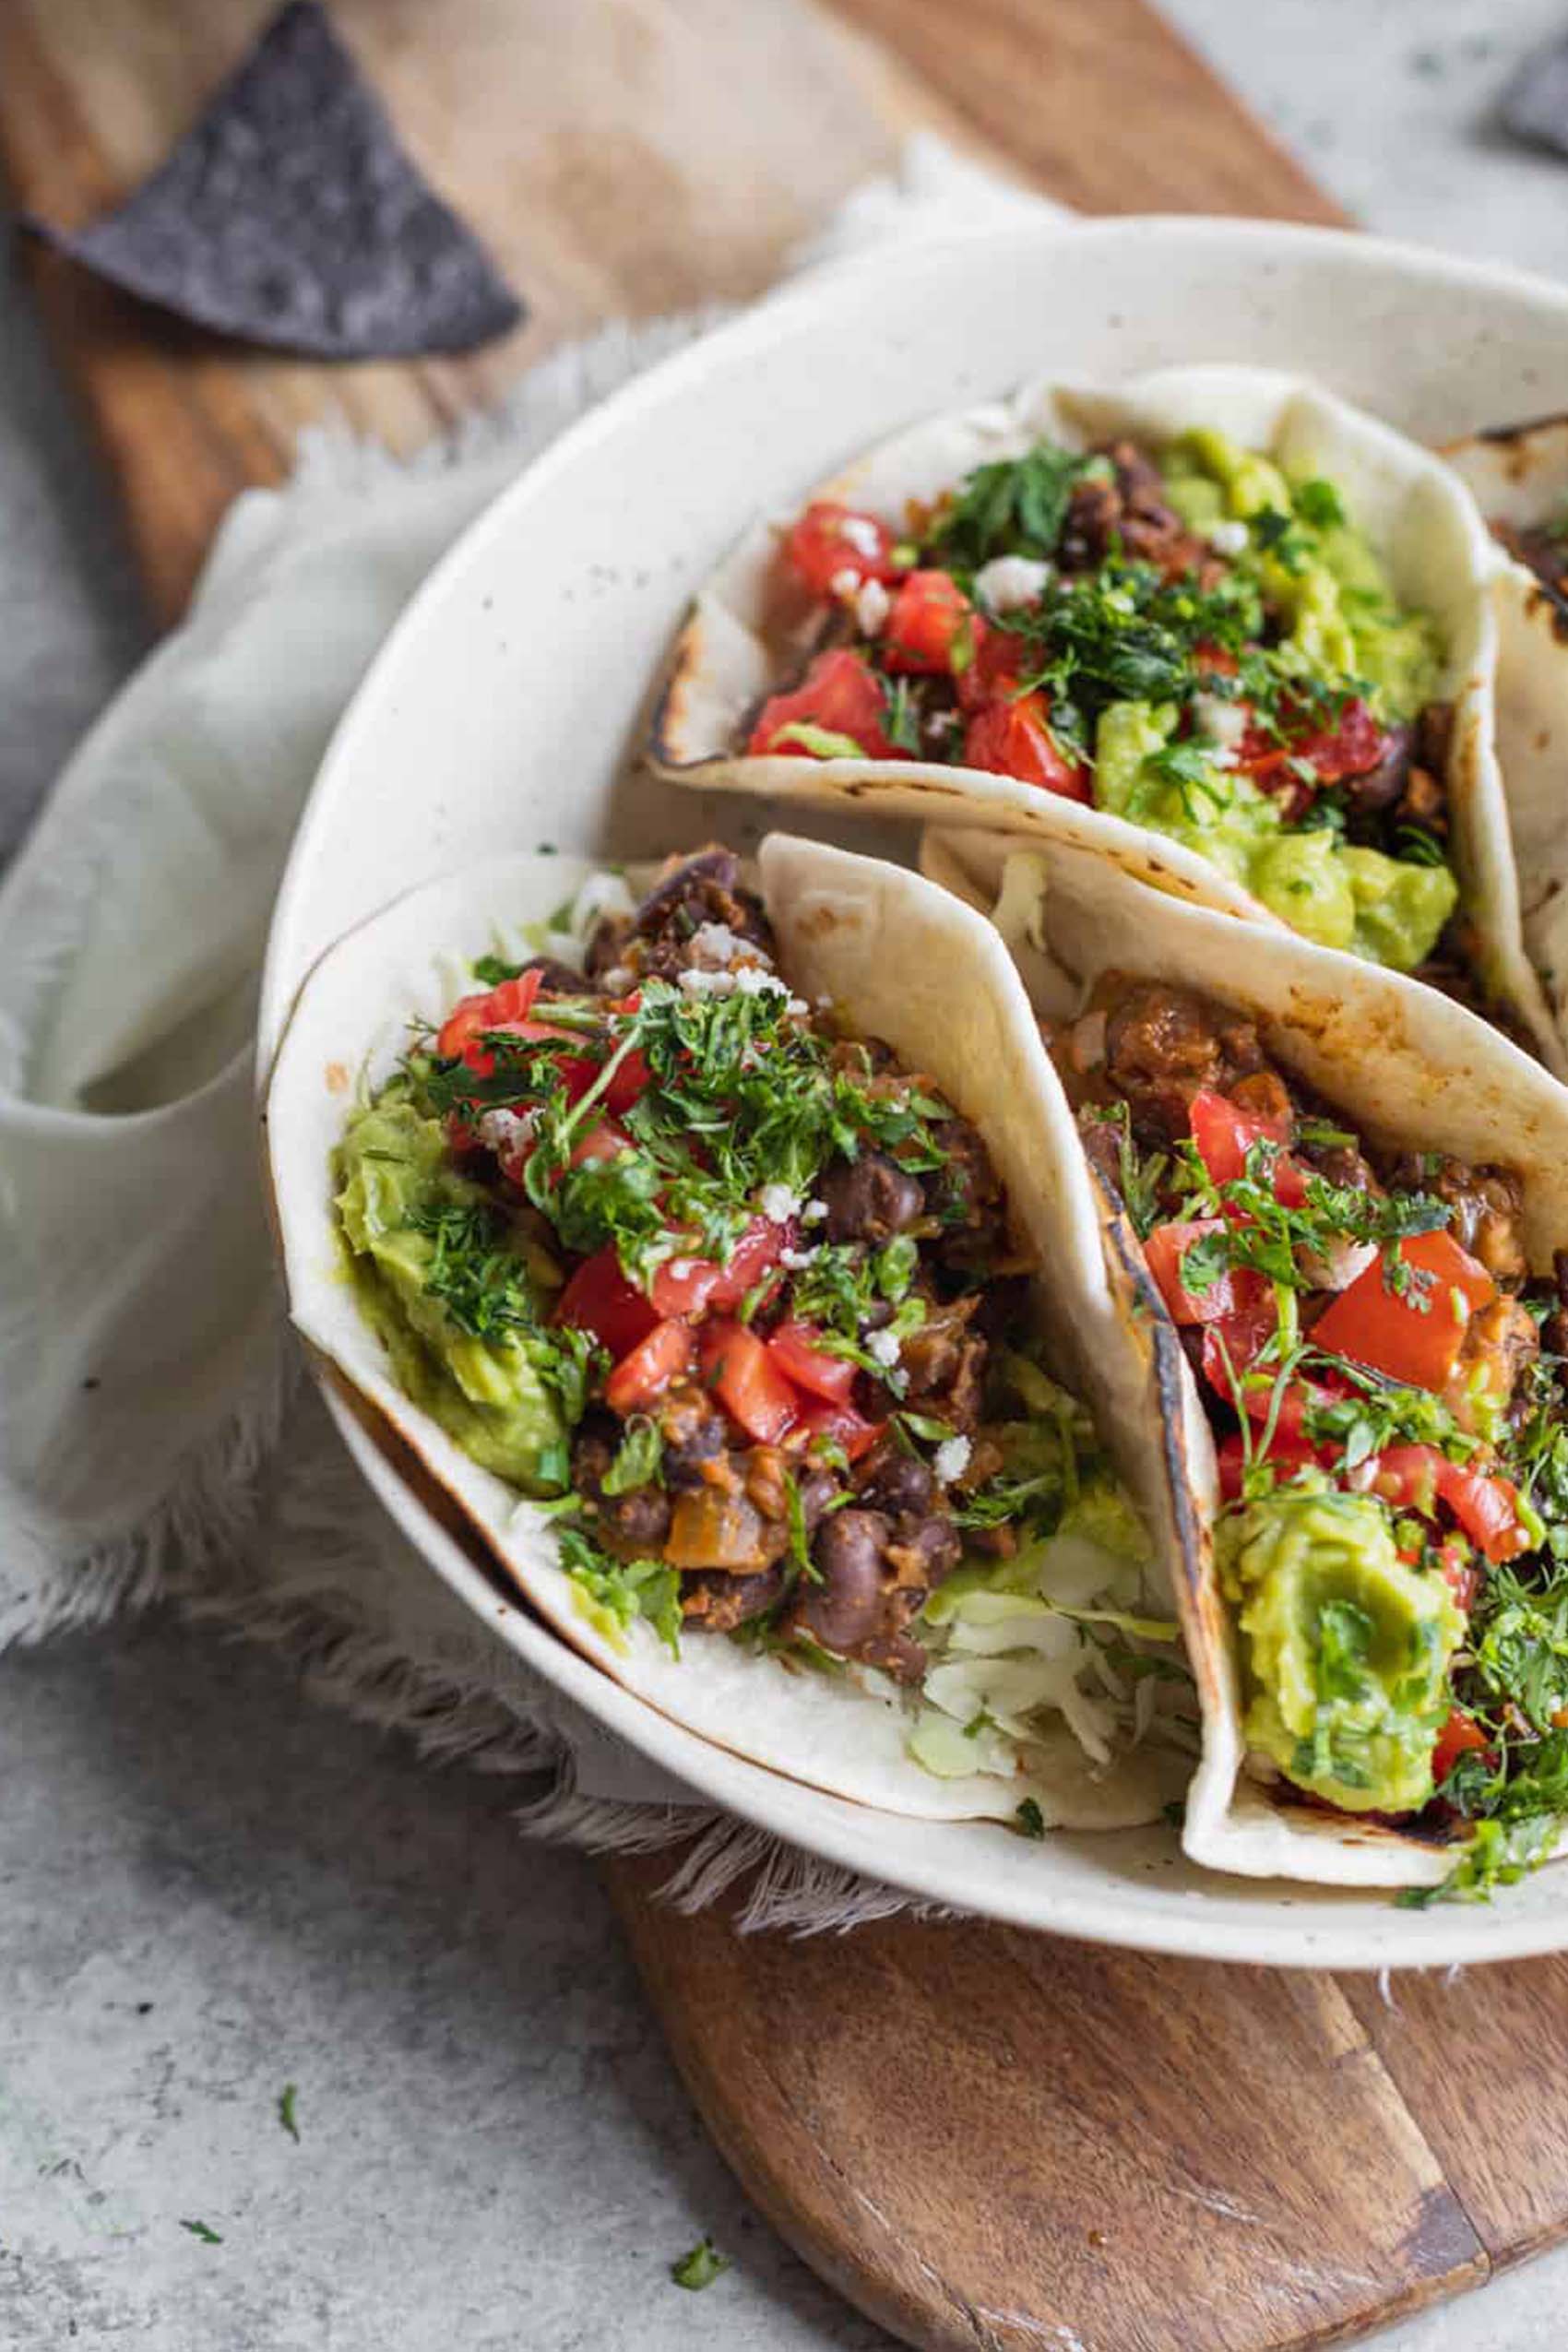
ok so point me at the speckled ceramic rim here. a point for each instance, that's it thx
(496, 683)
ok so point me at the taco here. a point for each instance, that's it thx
(1348, 1200)
(707, 1244)
(1219, 625)
(1518, 478)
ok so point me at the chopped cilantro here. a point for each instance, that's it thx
(493, 970)
(1030, 1821)
(1015, 507)
(286, 2116)
(639, 1458)
(700, 2267)
(208, 2236)
(1318, 503)
(622, 1590)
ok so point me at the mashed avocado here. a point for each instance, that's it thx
(400, 1202)
(1342, 627)
(1345, 1648)
(1345, 619)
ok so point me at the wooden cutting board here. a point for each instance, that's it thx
(985, 2139)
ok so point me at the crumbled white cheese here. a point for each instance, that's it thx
(1221, 721)
(682, 1267)
(1228, 538)
(797, 1261)
(813, 1212)
(883, 1348)
(1008, 583)
(696, 982)
(751, 980)
(846, 584)
(860, 533)
(618, 980)
(951, 1459)
(778, 1203)
(506, 1131)
(715, 943)
(873, 606)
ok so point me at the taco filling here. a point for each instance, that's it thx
(1180, 636)
(733, 1297)
(1541, 547)
(1385, 1386)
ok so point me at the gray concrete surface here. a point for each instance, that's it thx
(210, 1888)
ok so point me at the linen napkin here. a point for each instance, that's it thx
(158, 1436)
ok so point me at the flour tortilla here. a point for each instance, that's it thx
(1413, 1071)
(1520, 475)
(901, 960)
(745, 632)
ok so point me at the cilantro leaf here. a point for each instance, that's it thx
(1015, 506)
(699, 2266)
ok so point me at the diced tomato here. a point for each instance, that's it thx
(599, 1299)
(1460, 1734)
(797, 1349)
(682, 1286)
(817, 1417)
(1355, 744)
(928, 615)
(747, 1382)
(1224, 1134)
(1415, 1339)
(460, 1136)
(1352, 747)
(830, 539)
(839, 694)
(602, 1139)
(1165, 1252)
(999, 666)
(756, 1250)
(1014, 739)
(1216, 659)
(576, 1074)
(647, 1372)
(631, 1079)
(689, 1286)
(1405, 1477)
(1486, 1504)
(1233, 1343)
(1286, 1453)
(491, 1008)
(1487, 1507)
(1460, 1573)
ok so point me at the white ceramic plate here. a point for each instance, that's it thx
(502, 711)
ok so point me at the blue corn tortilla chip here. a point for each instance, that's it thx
(290, 216)
(1535, 104)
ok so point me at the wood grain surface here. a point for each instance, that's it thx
(621, 156)
(984, 2139)
(992, 2138)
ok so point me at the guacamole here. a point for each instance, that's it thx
(405, 1213)
(1346, 1649)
